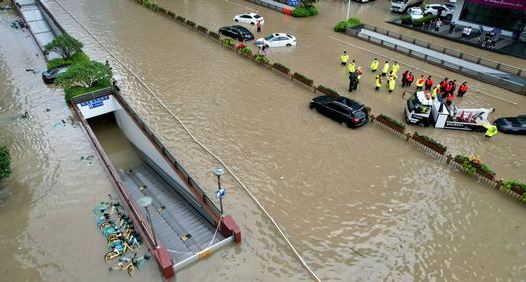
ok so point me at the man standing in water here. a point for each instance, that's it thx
(385, 69)
(344, 58)
(374, 65)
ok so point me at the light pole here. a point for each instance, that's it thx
(145, 202)
(348, 9)
(218, 171)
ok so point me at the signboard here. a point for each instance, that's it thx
(220, 193)
(293, 3)
(505, 4)
(97, 102)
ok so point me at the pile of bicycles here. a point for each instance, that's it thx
(123, 241)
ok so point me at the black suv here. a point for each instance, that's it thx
(237, 32)
(341, 109)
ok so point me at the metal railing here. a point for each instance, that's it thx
(488, 78)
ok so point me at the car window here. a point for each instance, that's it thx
(246, 17)
(268, 38)
(257, 16)
(359, 114)
(338, 108)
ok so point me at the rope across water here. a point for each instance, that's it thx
(280, 231)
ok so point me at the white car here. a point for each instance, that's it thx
(277, 40)
(249, 18)
(446, 11)
(415, 13)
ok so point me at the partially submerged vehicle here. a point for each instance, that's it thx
(512, 125)
(423, 110)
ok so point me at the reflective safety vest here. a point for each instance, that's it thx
(374, 65)
(491, 130)
(391, 83)
(420, 82)
(344, 58)
(378, 82)
(435, 92)
(386, 68)
(429, 82)
(352, 67)
(395, 68)
(463, 88)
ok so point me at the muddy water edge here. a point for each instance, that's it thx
(331, 188)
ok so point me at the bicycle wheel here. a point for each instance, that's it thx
(110, 256)
(130, 269)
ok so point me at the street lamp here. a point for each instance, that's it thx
(145, 202)
(218, 171)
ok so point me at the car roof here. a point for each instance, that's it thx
(251, 14)
(238, 27)
(354, 105)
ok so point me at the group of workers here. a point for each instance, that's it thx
(444, 90)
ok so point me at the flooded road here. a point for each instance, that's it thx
(332, 189)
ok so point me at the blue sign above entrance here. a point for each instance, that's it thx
(97, 102)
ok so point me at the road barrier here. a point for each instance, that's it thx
(488, 78)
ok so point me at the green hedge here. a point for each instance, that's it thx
(327, 91)
(471, 164)
(246, 51)
(229, 42)
(424, 20)
(342, 26)
(406, 19)
(75, 59)
(305, 11)
(392, 120)
(282, 68)
(77, 91)
(432, 141)
(261, 59)
(5, 163)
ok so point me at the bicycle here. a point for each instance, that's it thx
(118, 249)
(130, 263)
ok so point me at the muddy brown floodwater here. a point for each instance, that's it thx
(332, 189)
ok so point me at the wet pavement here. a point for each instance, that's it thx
(330, 188)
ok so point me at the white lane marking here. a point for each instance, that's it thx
(241, 5)
(415, 67)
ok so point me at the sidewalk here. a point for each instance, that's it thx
(286, 9)
(505, 45)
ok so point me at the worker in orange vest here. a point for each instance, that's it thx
(463, 89)
(420, 83)
(429, 83)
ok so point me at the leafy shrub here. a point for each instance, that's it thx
(342, 26)
(392, 120)
(471, 164)
(423, 20)
(508, 184)
(151, 5)
(171, 14)
(229, 42)
(406, 19)
(5, 163)
(75, 91)
(302, 78)
(64, 45)
(432, 141)
(327, 91)
(245, 51)
(305, 11)
(75, 59)
(261, 59)
(281, 68)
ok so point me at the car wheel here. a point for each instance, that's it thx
(252, 23)
(428, 14)
(288, 45)
(236, 20)
(266, 46)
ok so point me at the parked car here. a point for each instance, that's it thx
(237, 32)
(277, 40)
(512, 125)
(445, 11)
(249, 18)
(343, 110)
(50, 75)
(415, 13)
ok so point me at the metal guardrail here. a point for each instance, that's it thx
(491, 79)
(452, 52)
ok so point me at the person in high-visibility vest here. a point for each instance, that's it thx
(420, 83)
(392, 73)
(344, 58)
(435, 92)
(491, 130)
(391, 84)
(374, 65)
(395, 68)
(385, 69)
(463, 89)
(378, 82)
(352, 66)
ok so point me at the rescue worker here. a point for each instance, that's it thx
(404, 78)
(429, 83)
(385, 69)
(392, 73)
(410, 78)
(435, 92)
(420, 83)
(463, 89)
(447, 89)
(352, 67)
(360, 72)
(391, 84)
(395, 68)
(344, 58)
(453, 86)
(374, 65)
(491, 130)
(443, 83)
(378, 82)
(449, 99)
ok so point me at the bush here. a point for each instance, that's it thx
(75, 91)
(64, 45)
(392, 120)
(5, 163)
(304, 79)
(282, 68)
(75, 59)
(305, 11)
(229, 42)
(424, 20)
(406, 19)
(471, 164)
(245, 51)
(327, 91)
(261, 59)
(432, 141)
(508, 184)
(342, 26)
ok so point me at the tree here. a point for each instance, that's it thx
(5, 163)
(86, 74)
(64, 45)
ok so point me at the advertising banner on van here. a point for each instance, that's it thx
(504, 4)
